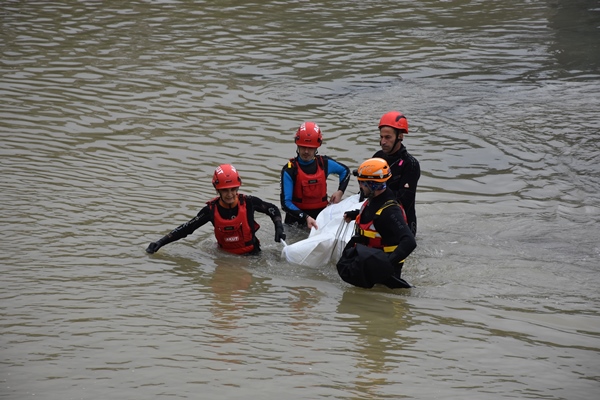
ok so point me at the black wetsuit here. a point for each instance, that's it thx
(206, 215)
(406, 172)
(391, 226)
(364, 263)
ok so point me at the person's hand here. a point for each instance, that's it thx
(279, 233)
(336, 197)
(311, 223)
(350, 215)
(153, 247)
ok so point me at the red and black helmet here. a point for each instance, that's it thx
(309, 135)
(225, 177)
(395, 119)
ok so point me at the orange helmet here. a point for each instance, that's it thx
(395, 119)
(309, 135)
(375, 170)
(225, 177)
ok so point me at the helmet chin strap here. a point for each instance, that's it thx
(398, 140)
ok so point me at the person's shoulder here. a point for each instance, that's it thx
(390, 206)
(327, 159)
(323, 157)
(291, 163)
(247, 199)
(379, 154)
(412, 160)
(408, 155)
(289, 166)
(259, 203)
(330, 159)
(210, 205)
(251, 198)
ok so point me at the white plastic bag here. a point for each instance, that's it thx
(327, 242)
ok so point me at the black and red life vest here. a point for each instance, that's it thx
(310, 190)
(367, 230)
(234, 235)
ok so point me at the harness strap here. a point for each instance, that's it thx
(372, 234)
(386, 205)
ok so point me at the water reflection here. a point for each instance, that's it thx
(379, 322)
(225, 286)
(230, 286)
(227, 289)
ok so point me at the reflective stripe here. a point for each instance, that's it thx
(386, 205)
(369, 234)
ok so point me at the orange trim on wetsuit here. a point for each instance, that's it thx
(233, 235)
(310, 190)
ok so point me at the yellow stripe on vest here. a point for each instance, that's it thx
(386, 205)
(369, 234)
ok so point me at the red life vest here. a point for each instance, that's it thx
(310, 190)
(234, 235)
(368, 231)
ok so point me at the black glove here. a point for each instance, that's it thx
(351, 214)
(279, 234)
(153, 247)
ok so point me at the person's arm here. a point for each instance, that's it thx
(390, 224)
(406, 184)
(343, 172)
(272, 211)
(182, 230)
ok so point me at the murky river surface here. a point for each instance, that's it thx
(114, 114)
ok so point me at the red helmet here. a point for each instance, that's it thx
(225, 177)
(395, 119)
(309, 135)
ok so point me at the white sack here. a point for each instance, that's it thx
(327, 242)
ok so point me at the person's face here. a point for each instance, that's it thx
(387, 139)
(307, 153)
(228, 196)
(364, 188)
